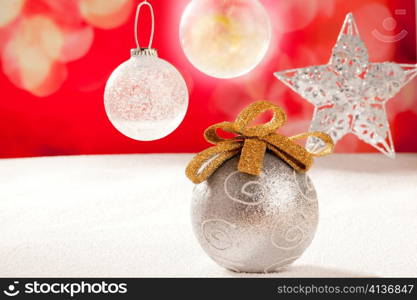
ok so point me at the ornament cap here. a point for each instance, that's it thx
(143, 52)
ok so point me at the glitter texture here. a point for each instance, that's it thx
(146, 98)
(227, 38)
(251, 142)
(349, 93)
(249, 223)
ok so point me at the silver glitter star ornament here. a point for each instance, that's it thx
(349, 93)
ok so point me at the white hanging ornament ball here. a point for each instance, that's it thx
(225, 39)
(145, 98)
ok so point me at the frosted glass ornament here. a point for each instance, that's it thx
(145, 98)
(350, 92)
(225, 39)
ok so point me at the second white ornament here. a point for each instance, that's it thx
(225, 39)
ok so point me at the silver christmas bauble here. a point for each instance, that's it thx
(255, 224)
(146, 98)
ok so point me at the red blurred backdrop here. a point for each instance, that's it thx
(57, 55)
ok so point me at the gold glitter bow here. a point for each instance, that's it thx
(252, 142)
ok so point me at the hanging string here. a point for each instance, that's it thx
(144, 3)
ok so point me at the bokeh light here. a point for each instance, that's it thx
(29, 55)
(52, 84)
(10, 10)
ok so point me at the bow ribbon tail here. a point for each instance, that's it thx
(207, 162)
(292, 153)
(252, 157)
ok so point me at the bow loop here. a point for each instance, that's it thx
(252, 142)
(250, 113)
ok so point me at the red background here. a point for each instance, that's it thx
(72, 119)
